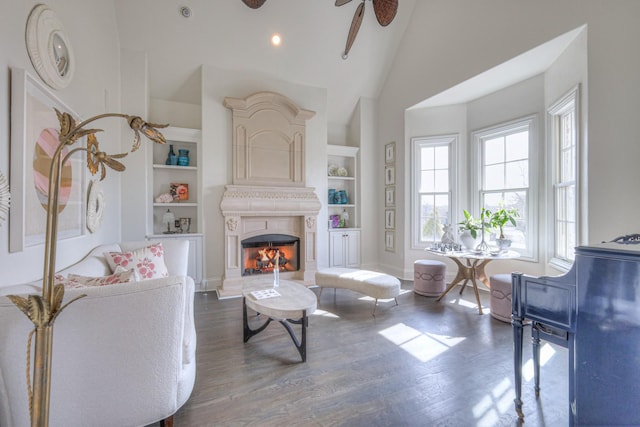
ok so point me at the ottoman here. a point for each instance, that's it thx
(501, 297)
(429, 277)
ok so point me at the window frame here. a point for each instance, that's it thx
(554, 115)
(452, 141)
(476, 190)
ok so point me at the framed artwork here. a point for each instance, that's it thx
(389, 175)
(390, 196)
(390, 219)
(390, 152)
(179, 192)
(389, 241)
(34, 137)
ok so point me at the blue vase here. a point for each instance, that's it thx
(332, 196)
(343, 197)
(183, 157)
(171, 157)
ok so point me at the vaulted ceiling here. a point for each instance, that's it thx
(229, 35)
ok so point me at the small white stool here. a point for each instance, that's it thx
(429, 277)
(501, 297)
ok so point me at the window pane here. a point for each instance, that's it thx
(494, 151)
(441, 181)
(492, 201)
(567, 139)
(561, 209)
(517, 174)
(430, 223)
(566, 169)
(494, 177)
(441, 157)
(427, 184)
(517, 146)
(571, 203)
(427, 157)
(442, 213)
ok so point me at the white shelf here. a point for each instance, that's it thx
(344, 243)
(175, 168)
(163, 175)
(173, 205)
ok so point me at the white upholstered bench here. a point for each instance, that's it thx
(371, 283)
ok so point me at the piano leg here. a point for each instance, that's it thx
(535, 340)
(518, 324)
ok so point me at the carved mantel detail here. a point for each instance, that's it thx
(268, 140)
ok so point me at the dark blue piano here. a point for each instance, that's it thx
(593, 311)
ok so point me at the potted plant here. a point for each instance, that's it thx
(499, 219)
(469, 230)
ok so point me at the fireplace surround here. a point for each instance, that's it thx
(268, 195)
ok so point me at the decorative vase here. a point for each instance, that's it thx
(344, 217)
(468, 241)
(503, 244)
(332, 196)
(183, 157)
(172, 159)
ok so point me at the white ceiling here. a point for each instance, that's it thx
(522, 67)
(229, 35)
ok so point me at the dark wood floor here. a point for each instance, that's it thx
(422, 363)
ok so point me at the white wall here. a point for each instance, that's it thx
(425, 122)
(217, 154)
(91, 28)
(449, 41)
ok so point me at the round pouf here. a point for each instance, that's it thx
(501, 297)
(429, 277)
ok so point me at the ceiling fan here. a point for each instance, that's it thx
(385, 11)
(254, 4)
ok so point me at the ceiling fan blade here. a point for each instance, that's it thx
(342, 2)
(385, 11)
(254, 4)
(353, 31)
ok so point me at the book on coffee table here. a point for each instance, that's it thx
(266, 293)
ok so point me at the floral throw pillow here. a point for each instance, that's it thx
(148, 263)
(75, 281)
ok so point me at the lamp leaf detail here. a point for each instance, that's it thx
(96, 159)
(66, 122)
(148, 129)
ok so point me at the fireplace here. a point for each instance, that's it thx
(260, 254)
(268, 195)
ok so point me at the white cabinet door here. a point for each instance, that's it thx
(336, 249)
(352, 249)
(344, 248)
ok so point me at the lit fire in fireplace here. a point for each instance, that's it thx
(263, 260)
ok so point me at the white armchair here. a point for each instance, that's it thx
(124, 355)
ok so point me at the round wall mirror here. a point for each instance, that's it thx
(60, 54)
(49, 48)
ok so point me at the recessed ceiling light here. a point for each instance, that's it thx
(276, 40)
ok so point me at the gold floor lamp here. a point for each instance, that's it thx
(43, 309)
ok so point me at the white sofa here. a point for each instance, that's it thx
(122, 356)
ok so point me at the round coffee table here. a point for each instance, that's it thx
(293, 304)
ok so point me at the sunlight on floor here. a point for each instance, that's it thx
(422, 346)
(546, 353)
(464, 303)
(500, 400)
(497, 402)
(324, 313)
